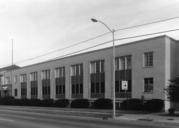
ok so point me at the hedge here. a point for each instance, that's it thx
(47, 103)
(131, 104)
(102, 103)
(80, 103)
(154, 105)
(6, 100)
(62, 103)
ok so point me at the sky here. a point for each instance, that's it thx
(38, 27)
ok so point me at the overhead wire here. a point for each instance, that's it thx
(124, 38)
(93, 38)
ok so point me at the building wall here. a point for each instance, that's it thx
(162, 48)
(177, 59)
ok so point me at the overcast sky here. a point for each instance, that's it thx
(41, 26)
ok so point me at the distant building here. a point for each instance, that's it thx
(146, 66)
(5, 80)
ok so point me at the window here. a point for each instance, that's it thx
(97, 76)
(123, 72)
(59, 72)
(33, 76)
(148, 59)
(45, 74)
(15, 91)
(23, 92)
(34, 84)
(34, 91)
(123, 63)
(46, 89)
(93, 67)
(23, 78)
(129, 62)
(60, 82)
(77, 80)
(23, 81)
(97, 66)
(76, 70)
(148, 85)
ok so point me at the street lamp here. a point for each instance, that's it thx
(113, 72)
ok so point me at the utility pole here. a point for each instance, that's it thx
(12, 57)
(12, 63)
(113, 66)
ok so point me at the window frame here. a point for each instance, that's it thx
(149, 83)
(147, 61)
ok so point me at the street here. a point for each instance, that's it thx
(14, 117)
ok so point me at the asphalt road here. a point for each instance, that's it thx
(14, 117)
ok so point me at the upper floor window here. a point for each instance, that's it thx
(45, 74)
(148, 85)
(33, 76)
(23, 78)
(97, 66)
(76, 70)
(148, 59)
(60, 72)
(123, 63)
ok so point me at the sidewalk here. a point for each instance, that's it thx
(155, 117)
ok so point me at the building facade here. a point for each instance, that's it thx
(5, 80)
(146, 66)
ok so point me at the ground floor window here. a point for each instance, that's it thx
(34, 90)
(46, 89)
(15, 91)
(77, 90)
(60, 87)
(97, 85)
(148, 85)
(77, 80)
(123, 76)
(24, 90)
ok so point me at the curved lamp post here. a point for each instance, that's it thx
(113, 72)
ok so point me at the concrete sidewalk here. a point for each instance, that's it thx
(155, 117)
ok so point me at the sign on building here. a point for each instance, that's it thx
(124, 85)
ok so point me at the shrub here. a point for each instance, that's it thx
(20, 102)
(6, 100)
(47, 103)
(171, 111)
(154, 105)
(23, 102)
(61, 103)
(80, 103)
(102, 103)
(34, 102)
(131, 104)
(173, 90)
